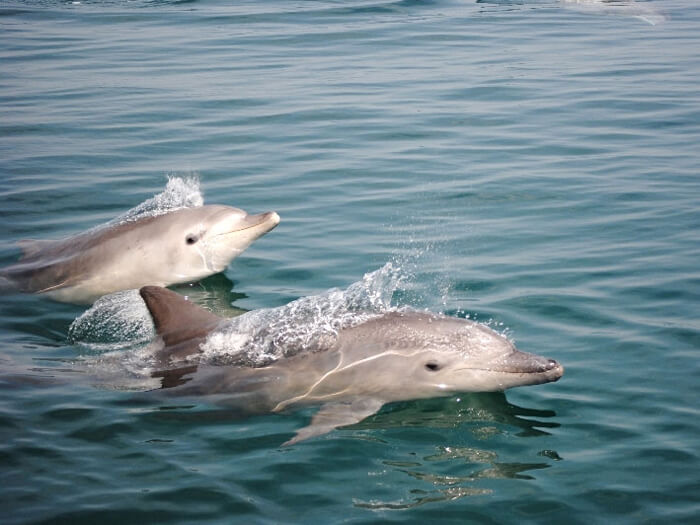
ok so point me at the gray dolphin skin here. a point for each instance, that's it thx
(176, 247)
(396, 356)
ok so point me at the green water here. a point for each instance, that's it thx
(533, 165)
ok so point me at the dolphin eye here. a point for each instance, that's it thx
(432, 366)
(191, 238)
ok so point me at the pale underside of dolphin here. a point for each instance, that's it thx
(395, 356)
(176, 247)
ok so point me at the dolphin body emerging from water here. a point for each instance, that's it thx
(629, 8)
(396, 356)
(176, 247)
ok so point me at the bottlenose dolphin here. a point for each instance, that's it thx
(176, 247)
(629, 8)
(395, 356)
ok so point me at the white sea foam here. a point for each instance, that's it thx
(179, 192)
(305, 325)
(113, 321)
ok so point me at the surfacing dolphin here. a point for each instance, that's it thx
(176, 247)
(628, 8)
(396, 356)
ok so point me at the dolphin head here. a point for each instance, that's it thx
(423, 355)
(206, 239)
(458, 355)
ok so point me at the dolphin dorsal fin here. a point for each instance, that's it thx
(176, 319)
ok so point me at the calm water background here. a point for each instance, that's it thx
(528, 164)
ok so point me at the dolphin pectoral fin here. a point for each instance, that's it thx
(334, 415)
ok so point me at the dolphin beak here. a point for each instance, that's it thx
(268, 220)
(264, 222)
(524, 363)
(552, 370)
(228, 238)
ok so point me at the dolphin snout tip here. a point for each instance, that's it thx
(554, 369)
(551, 364)
(265, 221)
(273, 217)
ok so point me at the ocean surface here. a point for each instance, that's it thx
(530, 164)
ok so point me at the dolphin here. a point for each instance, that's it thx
(629, 8)
(176, 247)
(395, 356)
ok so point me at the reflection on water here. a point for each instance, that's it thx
(421, 497)
(215, 293)
(447, 471)
(451, 472)
(473, 409)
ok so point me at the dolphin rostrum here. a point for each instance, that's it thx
(395, 356)
(176, 247)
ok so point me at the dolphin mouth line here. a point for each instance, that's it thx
(265, 219)
(559, 367)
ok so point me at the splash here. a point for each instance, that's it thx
(113, 321)
(306, 325)
(113, 336)
(179, 192)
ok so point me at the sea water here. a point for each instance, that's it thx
(532, 165)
